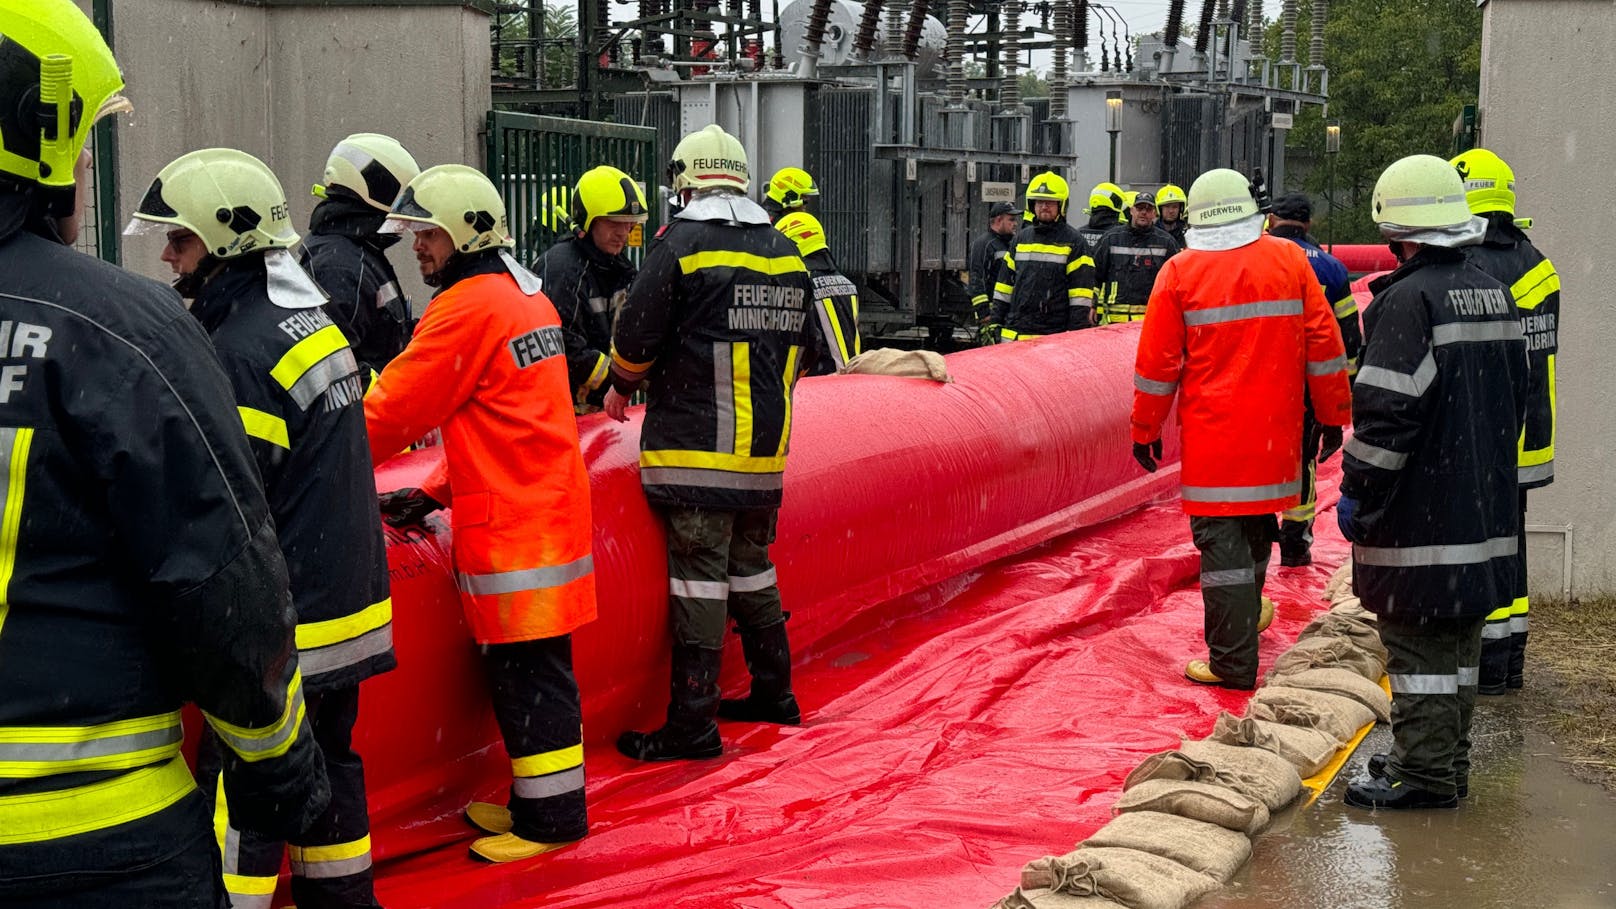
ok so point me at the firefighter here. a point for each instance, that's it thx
(1239, 330)
(1127, 260)
(1170, 202)
(719, 323)
(983, 258)
(1506, 254)
(1429, 496)
(488, 364)
(1106, 203)
(1290, 218)
(587, 276)
(140, 564)
(835, 303)
(297, 387)
(346, 253)
(788, 190)
(1046, 279)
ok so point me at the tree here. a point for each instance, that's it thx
(559, 46)
(1400, 71)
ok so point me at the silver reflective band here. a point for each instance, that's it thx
(698, 590)
(1495, 631)
(252, 900)
(1518, 624)
(753, 583)
(1460, 332)
(1327, 367)
(1469, 676)
(1423, 200)
(523, 579)
(1139, 250)
(1375, 455)
(1232, 577)
(1427, 556)
(247, 747)
(1404, 384)
(312, 384)
(710, 479)
(1153, 387)
(599, 304)
(386, 294)
(317, 871)
(1022, 256)
(1535, 473)
(109, 747)
(1218, 203)
(723, 396)
(550, 785)
(1242, 311)
(1001, 296)
(374, 642)
(1240, 493)
(1425, 684)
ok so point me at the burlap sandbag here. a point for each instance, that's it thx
(1051, 899)
(908, 364)
(1332, 714)
(1308, 750)
(1329, 652)
(1206, 802)
(1339, 586)
(1196, 845)
(1263, 775)
(1138, 880)
(1343, 682)
(1364, 635)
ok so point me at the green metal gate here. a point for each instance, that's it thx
(535, 160)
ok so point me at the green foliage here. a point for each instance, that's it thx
(1032, 85)
(1400, 71)
(560, 44)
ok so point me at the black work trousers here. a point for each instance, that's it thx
(1296, 523)
(536, 702)
(718, 565)
(1234, 563)
(1433, 668)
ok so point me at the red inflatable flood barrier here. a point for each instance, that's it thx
(1364, 258)
(892, 485)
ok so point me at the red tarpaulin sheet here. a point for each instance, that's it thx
(974, 691)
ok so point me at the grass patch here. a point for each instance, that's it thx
(1571, 683)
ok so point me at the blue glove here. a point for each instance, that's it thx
(1344, 510)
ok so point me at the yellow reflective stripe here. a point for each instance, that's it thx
(629, 366)
(248, 885)
(1079, 262)
(221, 822)
(741, 373)
(64, 734)
(1346, 306)
(306, 353)
(835, 326)
(1498, 615)
(1536, 285)
(1527, 457)
(31, 752)
(11, 513)
(1073, 293)
(767, 265)
(334, 631)
(271, 741)
(792, 356)
(1051, 248)
(712, 460)
(265, 426)
(1009, 262)
(40, 816)
(1520, 606)
(598, 375)
(338, 852)
(548, 762)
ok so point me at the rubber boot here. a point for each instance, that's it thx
(1377, 769)
(768, 658)
(489, 817)
(508, 847)
(690, 732)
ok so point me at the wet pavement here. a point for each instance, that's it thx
(1529, 835)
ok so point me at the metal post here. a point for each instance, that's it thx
(105, 137)
(1113, 126)
(1332, 147)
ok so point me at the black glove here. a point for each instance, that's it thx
(1146, 454)
(1329, 442)
(403, 507)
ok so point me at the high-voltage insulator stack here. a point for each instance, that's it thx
(1057, 73)
(1315, 50)
(958, 14)
(1287, 34)
(1010, 87)
(917, 23)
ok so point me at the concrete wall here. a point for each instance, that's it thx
(1547, 108)
(286, 83)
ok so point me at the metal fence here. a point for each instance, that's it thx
(535, 160)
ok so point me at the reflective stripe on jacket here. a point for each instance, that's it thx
(488, 365)
(1126, 262)
(1332, 275)
(586, 287)
(1237, 336)
(836, 309)
(1046, 282)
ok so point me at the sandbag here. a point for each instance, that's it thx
(1363, 634)
(908, 364)
(1332, 714)
(1263, 775)
(1339, 586)
(1196, 845)
(1051, 899)
(1138, 880)
(1207, 802)
(1343, 682)
(1308, 750)
(1329, 652)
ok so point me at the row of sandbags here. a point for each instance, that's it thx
(1187, 817)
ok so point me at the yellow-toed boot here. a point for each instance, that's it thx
(489, 818)
(1266, 616)
(508, 847)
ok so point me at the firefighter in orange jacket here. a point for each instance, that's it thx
(488, 365)
(1236, 325)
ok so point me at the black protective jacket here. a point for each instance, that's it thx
(719, 322)
(348, 259)
(1046, 282)
(299, 393)
(1101, 222)
(1437, 410)
(1126, 261)
(1509, 256)
(138, 571)
(836, 307)
(982, 266)
(1178, 230)
(587, 287)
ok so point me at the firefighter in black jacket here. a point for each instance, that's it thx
(298, 391)
(1046, 280)
(719, 323)
(1106, 202)
(983, 258)
(1170, 203)
(1506, 254)
(587, 276)
(1126, 261)
(835, 303)
(140, 568)
(346, 253)
(1428, 497)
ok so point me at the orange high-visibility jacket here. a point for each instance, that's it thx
(488, 364)
(1234, 334)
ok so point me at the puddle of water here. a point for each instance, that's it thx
(1529, 835)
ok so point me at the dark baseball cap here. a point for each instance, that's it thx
(1293, 207)
(1145, 198)
(1001, 208)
